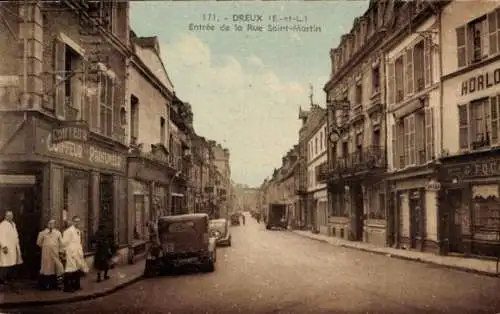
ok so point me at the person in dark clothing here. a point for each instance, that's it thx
(105, 249)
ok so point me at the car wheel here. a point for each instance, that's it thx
(210, 264)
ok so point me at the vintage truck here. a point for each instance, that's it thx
(276, 216)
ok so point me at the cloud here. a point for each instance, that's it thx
(240, 102)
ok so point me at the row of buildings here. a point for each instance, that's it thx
(91, 126)
(405, 151)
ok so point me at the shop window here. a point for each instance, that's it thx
(486, 209)
(76, 202)
(139, 205)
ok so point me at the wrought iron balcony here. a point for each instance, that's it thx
(370, 158)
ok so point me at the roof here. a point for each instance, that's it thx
(183, 217)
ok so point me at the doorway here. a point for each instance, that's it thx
(452, 227)
(415, 219)
(358, 212)
(106, 203)
(24, 201)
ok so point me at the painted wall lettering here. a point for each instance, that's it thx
(70, 149)
(97, 155)
(480, 82)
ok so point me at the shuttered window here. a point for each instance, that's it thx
(420, 156)
(461, 46)
(409, 72)
(106, 101)
(59, 77)
(463, 122)
(494, 103)
(391, 83)
(428, 62)
(492, 33)
(400, 144)
(395, 153)
(84, 104)
(429, 134)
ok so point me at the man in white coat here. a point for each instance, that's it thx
(75, 261)
(51, 242)
(10, 250)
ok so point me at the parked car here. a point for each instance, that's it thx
(219, 228)
(235, 219)
(182, 239)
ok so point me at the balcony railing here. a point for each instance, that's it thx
(370, 158)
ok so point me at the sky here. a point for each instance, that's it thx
(245, 86)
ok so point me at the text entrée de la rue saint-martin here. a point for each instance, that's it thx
(254, 23)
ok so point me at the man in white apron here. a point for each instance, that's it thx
(75, 261)
(51, 242)
(10, 249)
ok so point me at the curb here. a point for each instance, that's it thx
(70, 299)
(406, 258)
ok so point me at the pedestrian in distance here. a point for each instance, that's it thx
(51, 267)
(75, 262)
(10, 249)
(105, 250)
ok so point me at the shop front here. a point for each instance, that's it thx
(414, 210)
(471, 204)
(60, 171)
(321, 201)
(149, 179)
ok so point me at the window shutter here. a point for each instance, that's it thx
(401, 144)
(461, 46)
(494, 120)
(492, 33)
(463, 123)
(391, 86)
(84, 105)
(110, 102)
(60, 75)
(428, 62)
(409, 71)
(429, 134)
(395, 155)
(94, 102)
(420, 137)
(411, 138)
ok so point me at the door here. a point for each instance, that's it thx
(106, 203)
(452, 219)
(24, 201)
(358, 212)
(415, 220)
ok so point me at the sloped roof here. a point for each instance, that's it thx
(148, 51)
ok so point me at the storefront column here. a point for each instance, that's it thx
(116, 208)
(53, 194)
(130, 211)
(94, 202)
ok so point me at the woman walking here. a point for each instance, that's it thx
(105, 250)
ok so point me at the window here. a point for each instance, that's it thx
(345, 149)
(106, 100)
(359, 94)
(321, 141)
(325, 139)
(399, 79)
(134, 117)
(478, 39)
(411, 72)
(418, 63)
(376, 138)
(316, 145)
(409, 140)
(376, 80)
(413, 139)
(72, 85)
(478, 123)
(162, 131)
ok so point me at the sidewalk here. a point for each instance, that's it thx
(121, 277)
(473, 265)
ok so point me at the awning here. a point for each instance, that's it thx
(177, 194)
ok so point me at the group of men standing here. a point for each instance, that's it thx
(61, 254)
